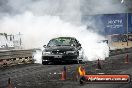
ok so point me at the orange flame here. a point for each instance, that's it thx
(81, 71)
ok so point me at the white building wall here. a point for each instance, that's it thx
(3, 41)
(10, 42)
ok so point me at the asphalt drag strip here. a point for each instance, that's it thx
(49, 76)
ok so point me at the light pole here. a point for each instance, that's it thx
(122, 1)
(127, 28)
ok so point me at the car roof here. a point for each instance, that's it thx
(65, 38)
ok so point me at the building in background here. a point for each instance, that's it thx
(117, 28)
(8, 42)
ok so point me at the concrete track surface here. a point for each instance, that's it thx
(49, 76)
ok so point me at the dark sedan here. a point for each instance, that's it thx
(62, 49)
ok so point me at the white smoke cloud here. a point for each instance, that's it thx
(38, 30)
(41, 20)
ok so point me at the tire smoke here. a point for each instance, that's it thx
(41, 20)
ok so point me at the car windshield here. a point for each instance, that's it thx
(60, 42)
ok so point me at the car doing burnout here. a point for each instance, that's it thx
(62, 49)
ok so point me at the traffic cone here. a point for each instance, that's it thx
(126, 59)
(98, 65)
(63, 74)
(9, 84)
(76, 74)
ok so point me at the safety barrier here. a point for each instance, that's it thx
(14, 57)
(120, 51)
